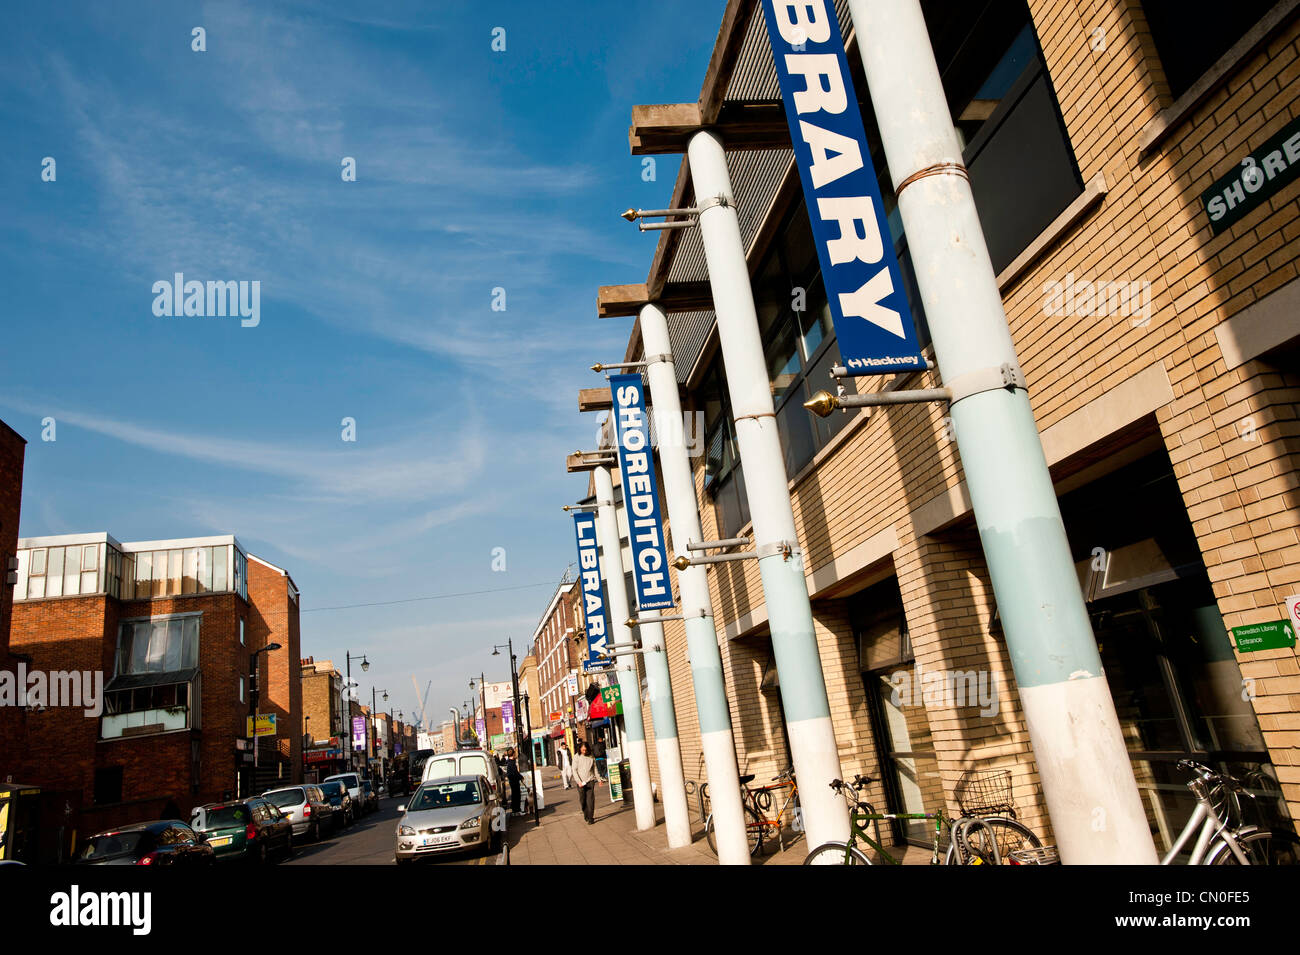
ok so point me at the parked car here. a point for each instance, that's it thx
(312, 815)
(369, 795)
(336, 792)
(162, 842)
(353, 782)
(250, 830)
(467, 762)
(448, 815)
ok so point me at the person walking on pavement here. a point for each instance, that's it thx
(513, 776)
(566, 765)
(584, 775)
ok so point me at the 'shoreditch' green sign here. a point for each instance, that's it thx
(1274, 635)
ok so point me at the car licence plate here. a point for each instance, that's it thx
(439, 840)
(220, 841)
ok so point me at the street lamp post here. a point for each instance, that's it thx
(365, 665)
(254, 692)
(514, 686)
(374, 728)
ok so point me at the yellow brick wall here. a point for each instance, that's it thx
(1242, 496)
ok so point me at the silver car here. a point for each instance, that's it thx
(447, 815)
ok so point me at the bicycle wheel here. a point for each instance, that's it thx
(837, 853)
(753, 830)
(974, 844)
(1261, 847)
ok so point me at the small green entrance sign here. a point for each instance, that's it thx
(1274, 635)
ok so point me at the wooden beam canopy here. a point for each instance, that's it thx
(668, 127)
(613, 301)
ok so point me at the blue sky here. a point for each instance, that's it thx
(475, 170)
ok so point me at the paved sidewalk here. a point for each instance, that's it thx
(565, 839)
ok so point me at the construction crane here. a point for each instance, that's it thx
(423, 699)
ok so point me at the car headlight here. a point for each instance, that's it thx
(405, 831)
(472, 823)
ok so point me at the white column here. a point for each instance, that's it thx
(611, 564)
(663, 716)
(785, 591)
(1088, 783)
(716, 739)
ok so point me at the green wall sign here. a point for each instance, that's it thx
(1254, 179)
(1274, 635)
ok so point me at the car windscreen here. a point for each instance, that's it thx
(285, 798)
(332, 790)
(446, 795)
(112, 845)
(227, 817)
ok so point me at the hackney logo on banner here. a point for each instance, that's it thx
(863, 281)
(593, 598)
(636, 462)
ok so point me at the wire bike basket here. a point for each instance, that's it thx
(985, 792)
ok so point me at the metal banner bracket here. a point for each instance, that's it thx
(1007, 375)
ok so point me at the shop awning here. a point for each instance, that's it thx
(557, 732)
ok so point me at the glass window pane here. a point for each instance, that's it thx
(159, 588)
(794, 424)
(157, 647)
(174, 571)
(143, 573)
(190, 654)
(782, 360)
(71, 572)
(189, 569)
(815, 320)
(220, 568)
(140, 647)
(35, 587)
(90, 557)
(204, 572)
(38, 560)
(54, 571)
(122, 663)
(175, 645)
(90, 582)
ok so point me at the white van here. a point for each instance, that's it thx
(469, 762)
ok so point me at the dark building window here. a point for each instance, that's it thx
(1022, 168)
(108, 785)
(1191, 35)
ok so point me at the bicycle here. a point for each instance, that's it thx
(1224, 838)
(972, 839)
(757, 803)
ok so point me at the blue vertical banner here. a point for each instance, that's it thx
(863, 281)
(593, 597)
(636, 463)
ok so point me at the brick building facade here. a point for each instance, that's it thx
(323, 716)
(12, 453)
(170, 626)
(1161, 356)
(558, 647)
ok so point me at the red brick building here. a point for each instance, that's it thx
(171, 628)
(12, 451)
